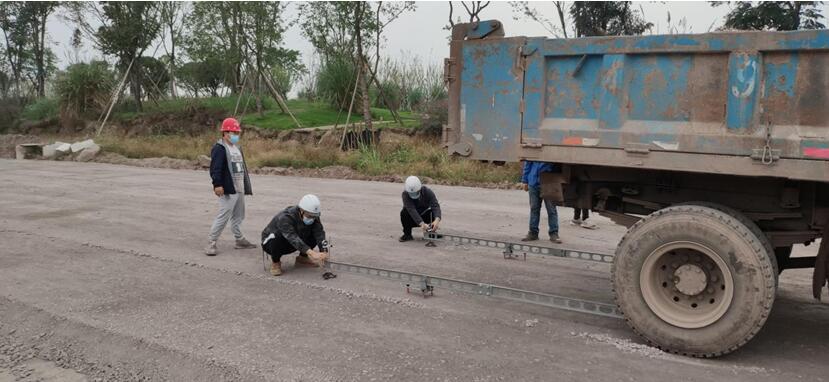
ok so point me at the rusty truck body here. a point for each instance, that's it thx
(712, 148)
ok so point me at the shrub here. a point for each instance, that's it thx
(335, 81)
(84, 88)
(43, 108)
(433, 116)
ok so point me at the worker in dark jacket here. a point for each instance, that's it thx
(231, 183)
(420, 208)
(296, 229)
(531, 182)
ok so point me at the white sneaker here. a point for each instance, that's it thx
(211, 249)
(589, 225)
(575, 222)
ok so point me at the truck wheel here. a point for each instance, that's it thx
(694, 280)
(775, 262)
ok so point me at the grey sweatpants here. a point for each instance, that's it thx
(231, 207)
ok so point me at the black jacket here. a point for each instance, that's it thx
(426, 200)
(288, 224)
(220, 171)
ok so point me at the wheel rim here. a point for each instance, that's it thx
(686, 284)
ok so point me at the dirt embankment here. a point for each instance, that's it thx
(195, 122)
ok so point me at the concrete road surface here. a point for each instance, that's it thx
(102, 277)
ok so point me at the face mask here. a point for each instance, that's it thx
(307, 221)
(234, 139)
(414, 195)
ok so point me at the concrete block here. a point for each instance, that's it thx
(51, 151)
(63, 148)
(28, 151)
(88, 153)
(80, 146)
(204, 161)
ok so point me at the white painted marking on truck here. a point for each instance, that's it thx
(478, 137)
(463, 117)
(589, 141)
(673, 146)
(747, 82)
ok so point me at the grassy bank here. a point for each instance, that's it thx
(423, 157)
(309, 114)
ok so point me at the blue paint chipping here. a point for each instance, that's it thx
(658, 82)
(571, 94)
(781, 78)
(612, 93)
(699, 93)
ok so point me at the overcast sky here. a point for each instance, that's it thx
(420, 33)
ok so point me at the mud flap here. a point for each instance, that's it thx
(821, 275)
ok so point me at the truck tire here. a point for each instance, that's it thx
(694, 280)
(752, 226)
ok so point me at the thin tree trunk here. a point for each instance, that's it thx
(173, 92)
(358, 14)
(259, 108)
(40, 52)
(135, 76)
(560, 9)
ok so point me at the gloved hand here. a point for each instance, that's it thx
(318, 257)
(434, 226)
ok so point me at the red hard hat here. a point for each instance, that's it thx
(231, 125)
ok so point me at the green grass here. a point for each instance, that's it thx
(309, 114)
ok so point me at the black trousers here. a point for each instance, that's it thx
(278, 246)
(585, 213)
(409, 223)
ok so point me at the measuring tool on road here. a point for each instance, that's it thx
(515, 250)
(426, 285)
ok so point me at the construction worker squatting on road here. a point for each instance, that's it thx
(420, 208)
(296, 229)
(230, 184)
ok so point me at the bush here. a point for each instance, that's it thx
(43, 108)
(84, 88)
(335, 82)
(433, 116)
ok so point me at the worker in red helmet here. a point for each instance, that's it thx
(230, 183)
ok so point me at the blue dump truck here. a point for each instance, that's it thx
(713, 149)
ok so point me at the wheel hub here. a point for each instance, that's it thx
(690, 279)
(686, 284)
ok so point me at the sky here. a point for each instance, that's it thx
(420, 33)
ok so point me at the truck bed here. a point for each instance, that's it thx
(744, 103)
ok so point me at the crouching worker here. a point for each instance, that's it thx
(296, 229)
(420, 208)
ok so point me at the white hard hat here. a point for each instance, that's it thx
(413, 185)
(310, 204)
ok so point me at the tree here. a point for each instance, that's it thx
(155, 77)
(205, 75)
(129, 30)
(36, 13)
(532, 13)
(172, 17)
(349, 30)
(214, 31)
(607, 18)
(15, 35)
(773, 15)
(473, 10)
